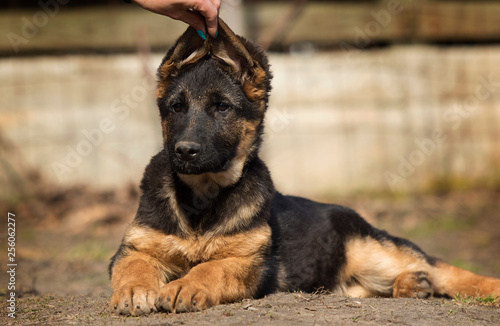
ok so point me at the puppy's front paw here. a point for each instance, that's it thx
(134, 300)
(183, 296)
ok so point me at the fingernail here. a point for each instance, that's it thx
(202, 35)
(216, 33)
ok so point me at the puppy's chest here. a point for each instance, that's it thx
(190, 251)
(182, 253)
(196, 249)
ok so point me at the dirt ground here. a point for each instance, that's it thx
(276, 309)
(65, 237)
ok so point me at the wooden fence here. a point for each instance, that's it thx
(281, 24)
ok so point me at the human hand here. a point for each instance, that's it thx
(200, 14)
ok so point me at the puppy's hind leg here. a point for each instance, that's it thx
(451, 281)
(387, 266)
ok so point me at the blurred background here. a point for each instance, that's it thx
(389, 106)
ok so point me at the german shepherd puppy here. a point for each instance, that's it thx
(211, 228)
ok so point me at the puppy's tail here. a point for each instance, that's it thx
(451, 281)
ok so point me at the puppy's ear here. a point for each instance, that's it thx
(189, 48)
(243, 61)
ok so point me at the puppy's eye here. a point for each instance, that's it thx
(223, 107)
(176, 107)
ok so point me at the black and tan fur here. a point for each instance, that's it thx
(211, 228)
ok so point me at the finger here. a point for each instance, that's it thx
(193, 19)
(212, 26)
(210, 11)
(216, 4)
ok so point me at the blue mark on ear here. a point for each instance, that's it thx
(202, 35)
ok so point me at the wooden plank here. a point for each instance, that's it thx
(335, 22)
(97, 28)
(324, 23)
(458, 20)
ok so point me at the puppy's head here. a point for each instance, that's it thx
(212, 97)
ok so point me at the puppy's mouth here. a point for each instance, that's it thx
(188, 171)
(189, 168)
(197, 167)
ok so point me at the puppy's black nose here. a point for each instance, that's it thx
(187, 150)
